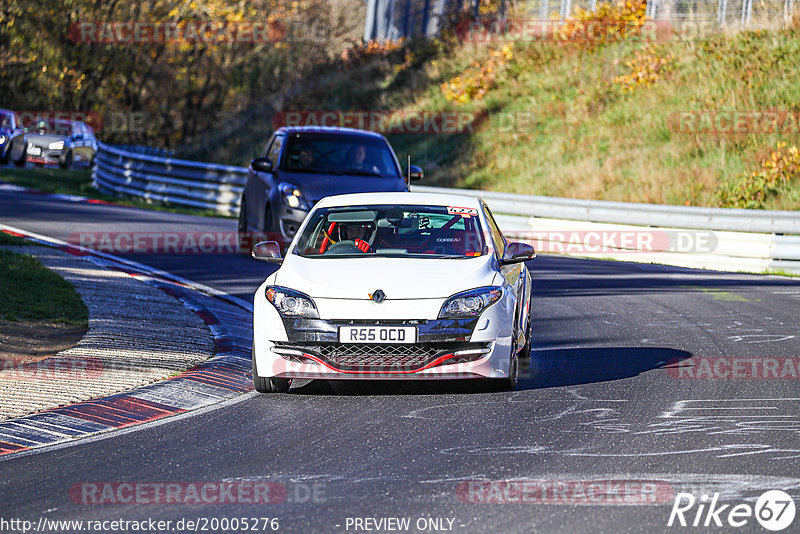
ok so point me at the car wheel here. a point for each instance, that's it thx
(269, 384)
(241, 228)
(5, 156)
(268, 226)
(272, 232)
(510, 382)
(67, 163)
(525, 353)
(23, 155)
(513, 372)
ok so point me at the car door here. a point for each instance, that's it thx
(260, 183)
(514, 274)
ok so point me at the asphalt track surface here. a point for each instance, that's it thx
(598, 404)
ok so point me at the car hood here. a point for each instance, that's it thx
(399, 278)
(317, 186)
(44, 139)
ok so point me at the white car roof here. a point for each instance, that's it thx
(432, 199)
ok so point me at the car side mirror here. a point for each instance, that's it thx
(415, 173)
(267, 251)
(517, 253)
(261, 164)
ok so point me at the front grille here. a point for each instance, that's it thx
(382, 357)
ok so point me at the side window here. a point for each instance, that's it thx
(495, 233)
(275, 151)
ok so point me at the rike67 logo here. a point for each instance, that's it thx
(774, 510)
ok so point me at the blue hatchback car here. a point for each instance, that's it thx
(303, 164)
(13, 139)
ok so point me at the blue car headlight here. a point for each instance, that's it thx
(292, 196)
(291, 303)
(2, 139)
(470, 303)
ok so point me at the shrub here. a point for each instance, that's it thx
(476, 80)
(645, 69)
(607, 24)
(752, 191)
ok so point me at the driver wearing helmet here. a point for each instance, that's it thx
(360, 234)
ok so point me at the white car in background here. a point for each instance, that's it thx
(393, 286)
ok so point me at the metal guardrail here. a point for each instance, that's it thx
(165, 179)
(219, 187)
(734, 220)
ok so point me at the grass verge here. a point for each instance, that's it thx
(79, 182)
(8, 239)
(31, 292)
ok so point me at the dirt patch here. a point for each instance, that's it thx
(27, 342)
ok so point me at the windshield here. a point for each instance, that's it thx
(392, 231)
(55, 127)
(340, 154)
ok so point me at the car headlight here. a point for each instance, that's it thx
(470, 303)
(291, 303)
(292, 196)
(2, 139)
(58, 145)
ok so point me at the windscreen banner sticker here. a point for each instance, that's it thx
(464, 212)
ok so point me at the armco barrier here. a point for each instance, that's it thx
(165, 179)
(748, 240)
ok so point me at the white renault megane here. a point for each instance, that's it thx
(393, 286)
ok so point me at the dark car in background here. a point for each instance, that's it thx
(63, 142)
(13, 138)
(302, 165)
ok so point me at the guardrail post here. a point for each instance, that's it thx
(747, 11)
(566, 8)
(544, 7)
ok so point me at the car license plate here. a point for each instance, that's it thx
(34, 151)
(377, 334)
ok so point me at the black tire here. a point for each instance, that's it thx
(269, 384)
(23, 156)
(241, 228)
(67, 163)
(510, 382)
(525, 353)
(271, 231)
(6, 155)
(513, 372)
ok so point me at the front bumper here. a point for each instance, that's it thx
(445, 349)
(46, 156)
